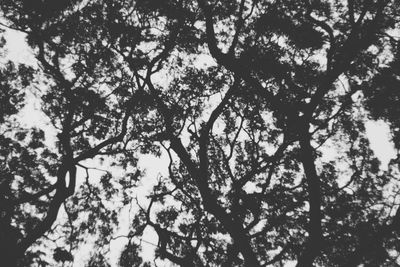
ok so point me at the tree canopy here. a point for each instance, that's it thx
(258, 105)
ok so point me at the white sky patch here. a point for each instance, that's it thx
(17, 48)
(379, 137)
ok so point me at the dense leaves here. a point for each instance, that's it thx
(259, 108)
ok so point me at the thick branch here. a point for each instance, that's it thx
(313, 244)
(61, 195)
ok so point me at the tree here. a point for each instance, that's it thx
(269, 159)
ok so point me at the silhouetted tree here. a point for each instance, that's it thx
(260, 107)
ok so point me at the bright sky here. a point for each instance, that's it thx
(378, 133)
